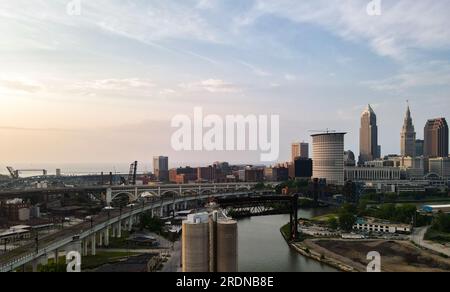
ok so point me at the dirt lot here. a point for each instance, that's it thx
(396, 256)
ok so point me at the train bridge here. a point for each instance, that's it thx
(264, 205)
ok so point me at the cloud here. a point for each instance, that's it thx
(257, 71)
(211, 85)
(21, 85)
(116, 84)
(433, 73)
(404, 26)
(154, 21)
(290, 77)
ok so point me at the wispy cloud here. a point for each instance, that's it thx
(212, 86)
(403, 27)
(429, 74)
(255, 69)
(116, 84)
(20, 85)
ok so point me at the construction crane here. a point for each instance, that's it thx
(15, 173)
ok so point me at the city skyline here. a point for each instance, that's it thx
(84, 88)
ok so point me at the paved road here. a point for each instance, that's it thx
(418, 238)
(173, 265)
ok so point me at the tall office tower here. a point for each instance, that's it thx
(436, 138)
(408, 137)
(161, 167)
(209, 243)
(328, 157)
(368, 136)
(300, 150)
(419, 147)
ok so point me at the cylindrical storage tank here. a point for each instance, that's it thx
(227, 246)
(195, 253)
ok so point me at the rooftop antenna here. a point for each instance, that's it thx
(327, 131)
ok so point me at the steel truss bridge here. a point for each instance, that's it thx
(264, 205)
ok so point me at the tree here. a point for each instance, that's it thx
(362, 207)
(260, 186)
(153, 224)
(333, 223)
(347, 221)
(442, 223)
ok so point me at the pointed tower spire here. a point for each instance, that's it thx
(408, 135)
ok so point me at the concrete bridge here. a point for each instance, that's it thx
(134, 193)
(86, 237)
(108, 193)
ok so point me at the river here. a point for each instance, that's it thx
(262, 248)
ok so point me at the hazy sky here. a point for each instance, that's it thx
(103, 86)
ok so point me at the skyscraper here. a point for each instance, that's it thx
(328, 157)
(369, 148)
(408, 136)
(419, 147)
(161, 167)
(300, 150)
(436, 138)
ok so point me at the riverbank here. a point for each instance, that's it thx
(351, 255)
(305, 251)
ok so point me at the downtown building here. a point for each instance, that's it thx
(408, 136)
(328, 157)
(299, 150)
(161, 168)
(440, 167)
(368, 137)
(436, 138)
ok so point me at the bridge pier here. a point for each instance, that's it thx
(107, 236)
(100, 239)
(93, 245)
(119, 229)
(56, 256)
(85, 247)
(130, 223)
(34, 266)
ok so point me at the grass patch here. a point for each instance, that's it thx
(102, 258)
(325, 218)
(437, 236)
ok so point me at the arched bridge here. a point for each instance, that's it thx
(134, 193)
